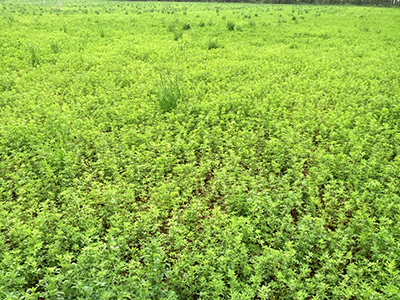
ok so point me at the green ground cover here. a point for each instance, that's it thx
(199, 151)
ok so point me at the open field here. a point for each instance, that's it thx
(199, 151)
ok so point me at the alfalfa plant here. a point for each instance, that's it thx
(170, 95)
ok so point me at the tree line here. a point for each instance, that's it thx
(334, 2)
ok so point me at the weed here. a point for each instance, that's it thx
(33, 57)
(10, 19)
(170, 95)
(171, 27)
(186, 26)
(213, 44)
(178, 34)
(102, 32)
(6, 83)
(230, 25)
(55, 47)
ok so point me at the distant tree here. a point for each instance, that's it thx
(59, 4)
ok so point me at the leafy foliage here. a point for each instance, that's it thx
(266, 169)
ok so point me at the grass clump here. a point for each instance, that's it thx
(102, 32)
(186, 26)
(213, 44)
(33, 55)
(171, 93)
(55, 47)
(178, 34)
(230, 25)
